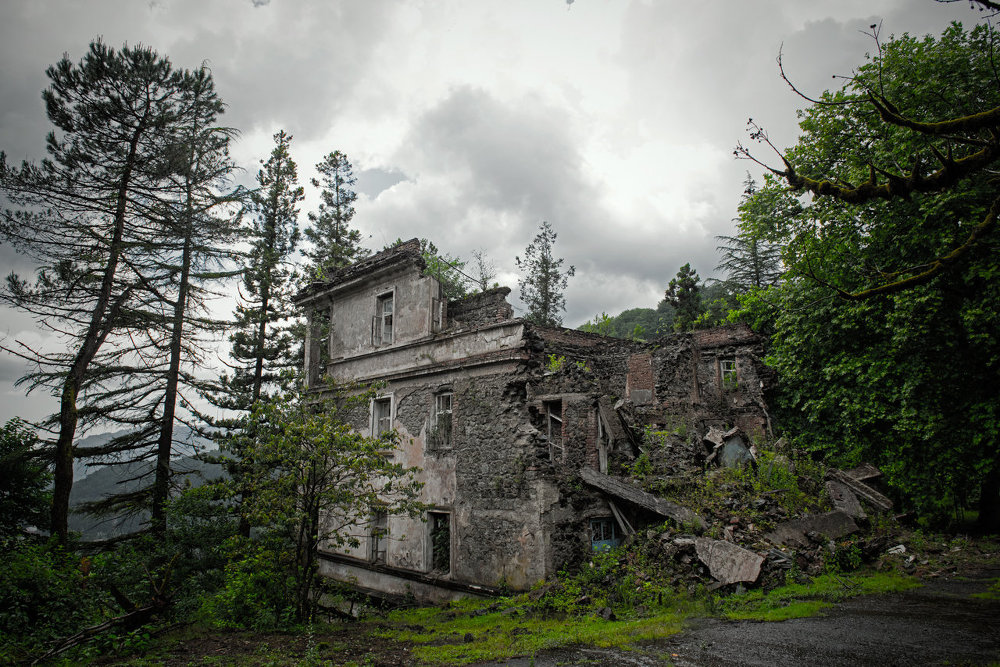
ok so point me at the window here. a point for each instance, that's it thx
(440, 527)
(382, 324)
(441, 433)
(439, 309)
(603, 535)
(379, 537)
(554, 430)
(727, 369)
(381, 416)
(319, 344)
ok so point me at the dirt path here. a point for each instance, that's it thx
(940, 623)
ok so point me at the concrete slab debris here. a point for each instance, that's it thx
(864, 471)
(832, 525)
(727, 562)
(862, 490)
(621, 489)
(844, 500)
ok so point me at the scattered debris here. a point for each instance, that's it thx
(832, 525)
(865, 492)
(897, 550)
(864, 471)
(735, 453)
(844, 500)
(728, 563)
(629, 492)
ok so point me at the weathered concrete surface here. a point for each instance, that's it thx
(832, 525)
(727, 562)
(625, 491)
(844, 500)
(861, 489)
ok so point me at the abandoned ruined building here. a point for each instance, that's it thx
(519, 430)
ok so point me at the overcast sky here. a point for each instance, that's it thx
(469, 122)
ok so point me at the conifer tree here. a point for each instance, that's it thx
(544, 281)
(261, 346)
(87, 215)
(334, 243)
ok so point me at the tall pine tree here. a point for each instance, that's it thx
(544, 280)
(87, 217)
(333, 242)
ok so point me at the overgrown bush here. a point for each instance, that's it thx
(45, 593)
(258, 591)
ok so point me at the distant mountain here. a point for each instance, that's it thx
(114, 479)
(183, 436)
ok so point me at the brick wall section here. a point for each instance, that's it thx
(639, 385)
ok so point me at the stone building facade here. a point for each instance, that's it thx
(502, 417)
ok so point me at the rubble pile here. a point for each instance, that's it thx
(762, 517)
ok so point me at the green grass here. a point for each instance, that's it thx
(797, 600)
(991, 593)
(439, 634)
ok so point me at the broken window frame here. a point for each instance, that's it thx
(379, 537)
(554, 422)
(381, 416)
(604, 534)
(439, 542)
(728, 374)
(444, 406)
(439, 315)
(320, 325)
(384, 320)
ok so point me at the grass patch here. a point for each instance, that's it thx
(991, 593)
(462, 633)
(796, 600)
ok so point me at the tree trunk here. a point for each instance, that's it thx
(101, 322)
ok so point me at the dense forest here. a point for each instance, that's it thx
(866, 254)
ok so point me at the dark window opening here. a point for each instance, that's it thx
(441, 434)
(440, 526)
(727, 369)
(554, 430)
(379, 537)
(603, 534)
(320, 344)
(382, 326)
(381, 417)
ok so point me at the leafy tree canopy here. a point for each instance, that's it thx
(884, 332)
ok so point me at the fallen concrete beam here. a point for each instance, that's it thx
(864, 471)
(630, 493)
(844, 500)
(727, 562)
(832, 525)
(861, 489)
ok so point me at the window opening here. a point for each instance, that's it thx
(379, 537)
(439, 308)
(441, 435)
(384, 319)
(320, 344)
(728, 370)
(554, 430)
(381, 416)
(603, 534)
(440, 526)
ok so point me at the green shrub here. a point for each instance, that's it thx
(258, 592)
(44, 594)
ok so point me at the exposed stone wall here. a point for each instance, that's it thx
(480, 309)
